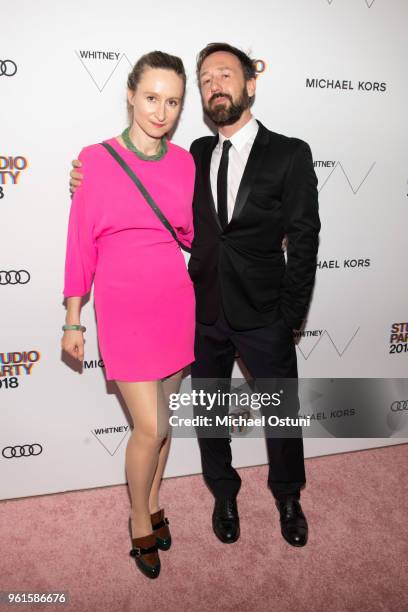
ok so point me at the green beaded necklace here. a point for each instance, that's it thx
(131, 146)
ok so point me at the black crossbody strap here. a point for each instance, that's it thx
(145, 194)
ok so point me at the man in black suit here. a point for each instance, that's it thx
(253, 188)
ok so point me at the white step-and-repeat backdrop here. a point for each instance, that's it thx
(332, 72)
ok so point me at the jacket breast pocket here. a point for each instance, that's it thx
(266, 193)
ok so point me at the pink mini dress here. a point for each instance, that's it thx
(144, 298)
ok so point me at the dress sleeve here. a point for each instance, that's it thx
(186, 233)
(81, 248)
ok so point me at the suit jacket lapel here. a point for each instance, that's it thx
(206, 166)
(254, 161)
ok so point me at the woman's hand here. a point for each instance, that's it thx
(76, 177)
(73, 343)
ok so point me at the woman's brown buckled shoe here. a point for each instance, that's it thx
(144, 552)
(161, 530)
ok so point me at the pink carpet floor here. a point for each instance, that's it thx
(356, 558)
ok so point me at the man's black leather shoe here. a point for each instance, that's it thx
(293, 522)
(225, 520)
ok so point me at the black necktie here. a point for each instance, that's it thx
(222, 189)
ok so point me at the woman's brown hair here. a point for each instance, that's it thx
(154, 59)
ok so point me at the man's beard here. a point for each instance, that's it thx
(222, 114)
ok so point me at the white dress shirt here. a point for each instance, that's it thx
(242, 142)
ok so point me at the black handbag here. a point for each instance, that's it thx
(145, 194)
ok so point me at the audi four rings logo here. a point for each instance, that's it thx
(401, 405)
(8, 68)
(14, 277)
(9, 452)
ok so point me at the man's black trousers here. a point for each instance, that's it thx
(268, 353)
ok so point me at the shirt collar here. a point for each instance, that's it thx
(247, 133)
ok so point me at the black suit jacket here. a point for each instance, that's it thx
(244, 265)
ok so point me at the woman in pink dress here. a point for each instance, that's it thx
(144, 298)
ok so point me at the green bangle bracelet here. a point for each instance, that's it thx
(81, 328)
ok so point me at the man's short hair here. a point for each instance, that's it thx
(248, 65)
